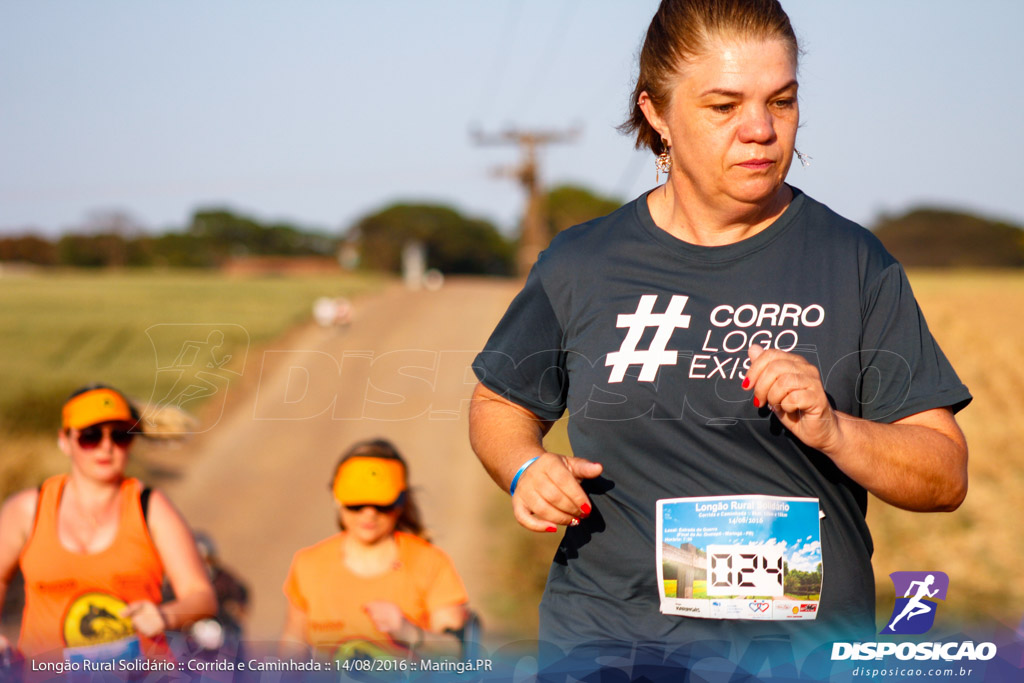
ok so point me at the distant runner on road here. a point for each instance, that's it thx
(378, 588)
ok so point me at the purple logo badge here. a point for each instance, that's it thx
(914, 612)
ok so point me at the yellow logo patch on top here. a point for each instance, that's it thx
(95, 618)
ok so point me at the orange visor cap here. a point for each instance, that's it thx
(94, 407)
(369, 481)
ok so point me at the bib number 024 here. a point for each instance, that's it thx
(744, 570)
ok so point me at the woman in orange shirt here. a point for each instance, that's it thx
(94, 545)
(378, 588)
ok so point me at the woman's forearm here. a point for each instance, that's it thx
(503, 435)
(919, 463)
(193, 606)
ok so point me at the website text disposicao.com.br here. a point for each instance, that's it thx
(911, 672)
(949, 652)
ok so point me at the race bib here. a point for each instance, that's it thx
(739, 557)
(109, 654)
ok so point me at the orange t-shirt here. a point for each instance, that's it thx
(331, 596)
(74, 599)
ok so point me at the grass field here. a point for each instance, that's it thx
(63, 329)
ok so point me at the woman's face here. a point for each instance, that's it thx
(100, 452)
(369, 524)
(731, 122)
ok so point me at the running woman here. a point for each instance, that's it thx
(94, 546)
(379, 588)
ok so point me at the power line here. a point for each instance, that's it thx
(495, 76)
(555, 41)
(632, 170)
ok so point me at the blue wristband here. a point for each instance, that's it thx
(519, 473)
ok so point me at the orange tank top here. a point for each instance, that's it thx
(74, 600)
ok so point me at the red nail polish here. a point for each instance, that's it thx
(757, 404)
(746, 382)
(585, 508)
(551, 529)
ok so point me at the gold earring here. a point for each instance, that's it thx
(663, 163)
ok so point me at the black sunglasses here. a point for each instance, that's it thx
(382, 509)
(91, 437)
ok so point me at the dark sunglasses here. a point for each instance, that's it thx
(91, 437)
(382, 509)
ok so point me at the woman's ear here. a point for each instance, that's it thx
(64, 442)
(653, 117)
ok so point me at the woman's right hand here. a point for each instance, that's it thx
(146, 618)
(549, 493)
(388, 618)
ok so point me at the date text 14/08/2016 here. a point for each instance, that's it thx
(457, 667)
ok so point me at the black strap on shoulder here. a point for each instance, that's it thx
(144, 502)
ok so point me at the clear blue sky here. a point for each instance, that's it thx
(318, 111)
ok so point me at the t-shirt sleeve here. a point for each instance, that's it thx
(446, 588)
(524, 360)
(292, 590)
(904, 371)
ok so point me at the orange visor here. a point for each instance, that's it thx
(96, 406)
(369, 481)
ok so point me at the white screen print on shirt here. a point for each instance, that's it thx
(727, 334)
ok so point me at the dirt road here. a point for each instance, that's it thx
(257, 480)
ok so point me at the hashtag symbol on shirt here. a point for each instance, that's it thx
(656, 356)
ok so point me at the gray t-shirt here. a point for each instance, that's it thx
(642, 338)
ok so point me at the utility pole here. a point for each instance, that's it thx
(534, 237)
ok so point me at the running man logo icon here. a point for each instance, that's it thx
(655, 356)
(193, 366)
(914, 613)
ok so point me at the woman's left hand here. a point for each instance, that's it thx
(146, 618)
(791, 388)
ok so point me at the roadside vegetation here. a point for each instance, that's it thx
(126, 328)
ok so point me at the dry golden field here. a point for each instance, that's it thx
(978, 319)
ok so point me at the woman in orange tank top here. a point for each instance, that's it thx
(93, 554)
(378, 588)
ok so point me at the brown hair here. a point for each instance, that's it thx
(682, 30)
(409, 520)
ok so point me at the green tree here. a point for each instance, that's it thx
(944, 238)
(569, 205)
(92, 251)
(225, 234)
(179, 250)
(28, 249)
(454, 243)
